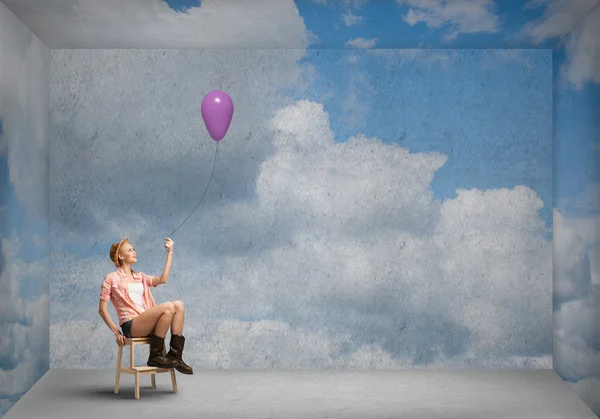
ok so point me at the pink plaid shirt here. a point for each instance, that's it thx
(114, 288)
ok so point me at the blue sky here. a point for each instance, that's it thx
(577, 136)
(183, 5)
(337, 22)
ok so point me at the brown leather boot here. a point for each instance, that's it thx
(175, 353)
(156, 357)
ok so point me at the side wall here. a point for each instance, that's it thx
(24, 248)
(577, 210)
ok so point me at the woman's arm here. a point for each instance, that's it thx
(162, 279)
(167, 269)
(103, 311)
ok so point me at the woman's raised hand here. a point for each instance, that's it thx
(169, 245)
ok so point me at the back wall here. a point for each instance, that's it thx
(368, 209)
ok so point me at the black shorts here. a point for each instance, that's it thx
(126, 328)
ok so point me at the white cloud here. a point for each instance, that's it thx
(577, 286)
(572, 351)
(576, 335)
(577, 291)
(357, 190)
(24, 326)
(153, 24)
(560, 17)
(99, 351)
(576, 246)
(583, 51)
(362, 43)
(24, 113)
(344, 208)
(493, 252)
(351, 20)
(225, 343)
(466, 16)
(345, 260)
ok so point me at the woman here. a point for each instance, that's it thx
(139, 315)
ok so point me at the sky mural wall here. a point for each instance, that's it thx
(24, 263)
(367, 209)
(577, 209)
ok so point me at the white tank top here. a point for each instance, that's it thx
(135, 293)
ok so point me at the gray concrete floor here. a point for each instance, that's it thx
(407, 394)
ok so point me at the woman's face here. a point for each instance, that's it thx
(128, 254)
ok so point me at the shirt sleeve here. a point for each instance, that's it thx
(105, 290)
(148, 279)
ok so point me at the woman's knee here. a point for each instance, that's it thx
(169, 308)
(179, 306)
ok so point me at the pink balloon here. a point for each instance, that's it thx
(217, 110)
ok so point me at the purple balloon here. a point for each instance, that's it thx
(217, 110)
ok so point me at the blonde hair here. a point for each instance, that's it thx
(114, 252)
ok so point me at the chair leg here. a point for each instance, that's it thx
(153, 380)
(119, 358)
(137, 385)
(131, 355)
(173, 378)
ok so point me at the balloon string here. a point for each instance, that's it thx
(211, 175)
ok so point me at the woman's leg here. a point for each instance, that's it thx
(177, 339)
(177, 325)
(156, 320)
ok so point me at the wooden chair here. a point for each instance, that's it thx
(141, 370)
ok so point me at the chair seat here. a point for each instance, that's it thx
(136, 341)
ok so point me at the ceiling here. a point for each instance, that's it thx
(511, 24)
